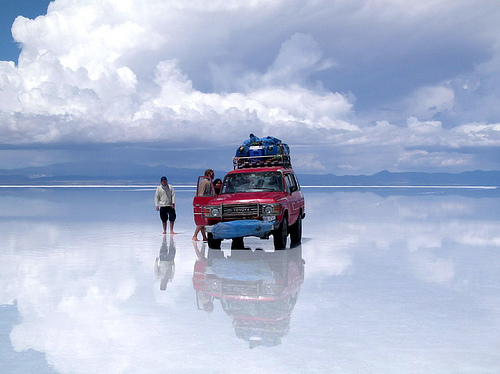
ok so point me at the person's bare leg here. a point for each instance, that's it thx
(195, 235)
(204, 233)
(164, 224)
(172, 228)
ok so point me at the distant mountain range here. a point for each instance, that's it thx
(386, 178)
(100, 173)
(133, 173)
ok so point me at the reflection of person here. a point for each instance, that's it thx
(217, 186)
(204, 189)
(164, 263)
(204, 300)
(165, 204)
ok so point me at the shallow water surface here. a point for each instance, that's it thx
(385, 281)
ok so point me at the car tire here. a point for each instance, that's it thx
(213, 243)
(280, 235)
(296, 230)
(237, 243)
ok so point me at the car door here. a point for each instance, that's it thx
(204, 193)
(296, 198)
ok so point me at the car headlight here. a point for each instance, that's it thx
(271, 210)
(215, 285)
(212, 211)
(268, 209)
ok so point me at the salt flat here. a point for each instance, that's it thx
(385, 281)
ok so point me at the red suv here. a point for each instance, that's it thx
(253, 201)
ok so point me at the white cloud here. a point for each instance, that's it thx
(423, 127)
(480, 133)
(426, 102)
(123, 71)
(299, 56)
(421, 160)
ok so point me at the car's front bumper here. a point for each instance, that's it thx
(242, 228)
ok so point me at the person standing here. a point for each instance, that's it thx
(165, 204)
(204, 189)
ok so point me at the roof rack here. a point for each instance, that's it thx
(262, 161)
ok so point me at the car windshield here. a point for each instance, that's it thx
(252, 182)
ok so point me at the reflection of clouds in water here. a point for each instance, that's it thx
(328, 259)
(75, 291)
(425, 239)
(481, 235)
(88, 298)
(426, 266)
(437, 209)
(68, 308)
(27, 208)
(27, 234)
(415, 225)
(89, 326)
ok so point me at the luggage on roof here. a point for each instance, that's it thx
(258, 152)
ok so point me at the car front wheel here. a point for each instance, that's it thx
(213, 243)
(296, 231)
(280, 235)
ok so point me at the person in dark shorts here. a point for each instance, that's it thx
(165, 204)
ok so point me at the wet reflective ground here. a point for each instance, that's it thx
(385, 281)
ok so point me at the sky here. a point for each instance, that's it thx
(353, 86)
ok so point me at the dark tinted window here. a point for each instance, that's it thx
(291, 183)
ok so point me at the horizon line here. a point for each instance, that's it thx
(194, 186)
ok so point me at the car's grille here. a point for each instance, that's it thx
(240, 211)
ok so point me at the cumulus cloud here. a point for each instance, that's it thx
(426, 102)
(79, 88)
(310, 72)
(299, 56)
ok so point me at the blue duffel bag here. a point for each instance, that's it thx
(242, 228)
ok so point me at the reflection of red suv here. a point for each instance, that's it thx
(254, 201)
(258, 290)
